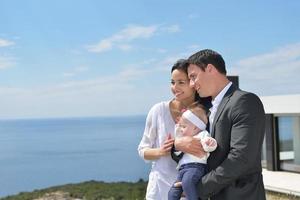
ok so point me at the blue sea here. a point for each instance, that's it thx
(40, 153)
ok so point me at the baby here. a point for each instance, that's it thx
(191, 168)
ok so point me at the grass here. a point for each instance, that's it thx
(95, 190)
(280, 196)
(91, 190)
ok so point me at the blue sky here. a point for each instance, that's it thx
(65, 58)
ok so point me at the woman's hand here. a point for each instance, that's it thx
(165, 149)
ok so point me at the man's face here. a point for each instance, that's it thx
(199, 80)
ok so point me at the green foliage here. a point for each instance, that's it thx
(91, 190)
(280, 196)
(94, 190)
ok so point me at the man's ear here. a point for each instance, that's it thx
(209, 67)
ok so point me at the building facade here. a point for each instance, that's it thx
(281, 148)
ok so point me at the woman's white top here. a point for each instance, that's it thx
(159, 124)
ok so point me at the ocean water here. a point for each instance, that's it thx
(39, 153)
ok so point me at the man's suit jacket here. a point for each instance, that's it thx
(235, 166)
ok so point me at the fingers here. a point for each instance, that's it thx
(178, 184)
(169, 140)
(168, 145)
(190, 145)
(210, 142)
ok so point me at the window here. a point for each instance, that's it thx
(289, 142)
(264, 153)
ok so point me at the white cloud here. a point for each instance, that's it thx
(167, 62)
(6, 62)
(76, 71)
(131, 32)
(194, 47)
(123, 38)
(125, 47)
(75, 52)
(107, 95)
(133, 73)
(193, 16)
(161, 50)
(131, 91)
(272, 73)
(68, 74)
(81, 69)
(103, 45)
(280, 55)
(149, 61)
(5, 43)
(171, 29)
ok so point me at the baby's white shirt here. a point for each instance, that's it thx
(189, 158)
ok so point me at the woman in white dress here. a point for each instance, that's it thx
(158, 136)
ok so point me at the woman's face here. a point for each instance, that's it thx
(180, 86)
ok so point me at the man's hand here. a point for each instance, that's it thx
(190, 145)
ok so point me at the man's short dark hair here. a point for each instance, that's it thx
(207, 56)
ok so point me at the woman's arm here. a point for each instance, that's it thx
(155, 153)
(148, 148)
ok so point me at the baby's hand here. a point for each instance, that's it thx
(210, 142)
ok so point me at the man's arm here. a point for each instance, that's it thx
(191, 145)
(246, 137)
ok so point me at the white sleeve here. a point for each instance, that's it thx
(150, 132)
(204, 137)
(177, 131)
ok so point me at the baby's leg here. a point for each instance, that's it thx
(175, 193)
(190, 181)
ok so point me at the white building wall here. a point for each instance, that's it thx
(283, 104)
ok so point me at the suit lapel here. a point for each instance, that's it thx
(221, 107)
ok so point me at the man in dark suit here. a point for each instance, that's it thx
(237, 122)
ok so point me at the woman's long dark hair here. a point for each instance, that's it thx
(182, 65)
